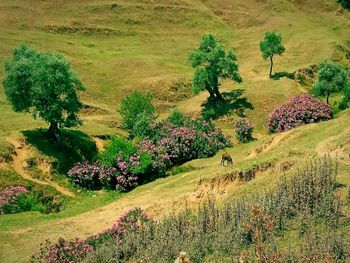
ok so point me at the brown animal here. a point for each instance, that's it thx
(226, 158)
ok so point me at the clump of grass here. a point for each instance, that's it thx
(181, 169)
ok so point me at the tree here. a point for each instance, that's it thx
(44, 85)
(212, 62)
(331, 78)
(135, 110)
(344, 3)
(270, 46)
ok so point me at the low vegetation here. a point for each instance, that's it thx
(244, 130)
(248, 229)
(298, 111)
(125, 164)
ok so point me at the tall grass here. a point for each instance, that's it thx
(245, 229)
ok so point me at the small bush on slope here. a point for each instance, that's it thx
(16, 199)
(299, 110)
(244, 130)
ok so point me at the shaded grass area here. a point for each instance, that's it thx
(233, 103)
(76, 146)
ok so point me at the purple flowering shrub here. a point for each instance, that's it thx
(124, 166)
(64, 251)
(67, 251)
(129, 222)
(244, 130)
(92, 175)
(12, 199)
(299, 110)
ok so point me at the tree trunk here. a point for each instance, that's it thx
(54, 132)
(218, 95)
(271, 65)
(212, 94)
(328, 97)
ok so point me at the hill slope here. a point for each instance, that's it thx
(120, 46)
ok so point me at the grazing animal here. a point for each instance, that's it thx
(226, 158)
(182, 258)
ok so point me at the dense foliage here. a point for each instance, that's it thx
(332, 78)
(125, 164)
(68, 251)
(270, 46)
(44, 85)
(138, 113)
(244, 130)
(344, 3)
(15, 199)
(92, 175)
(299, 110)
(212, 63)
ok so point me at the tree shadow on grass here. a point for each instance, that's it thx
(233, 102)
(283, 74)
(76, 146)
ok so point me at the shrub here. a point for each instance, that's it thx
(67, 251)
(134, 108)
(244, 130)
(117, 147)
(13, 200)
(92, 175)
(176, 118)
(63, 251)
(299, 110)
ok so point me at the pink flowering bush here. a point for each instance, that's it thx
(92, 175)
(13, 200)
(244, 130)
(69, 251)
(64, 251)
(299, 110)
(127, 223)
(124, 165)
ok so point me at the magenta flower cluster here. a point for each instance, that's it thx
(64, 251)
(9, 198)
(299, 110)
(244, 130)
(91, 175)
(175, 145)
(126, 165)
(67, 251)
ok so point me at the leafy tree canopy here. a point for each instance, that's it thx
(270, 46)
(331, 78)
(44, 85)
(137, 111)
(212, 63)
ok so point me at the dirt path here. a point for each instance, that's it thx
(19, 157)
(271, 144)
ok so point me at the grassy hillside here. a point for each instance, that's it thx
(120, 46)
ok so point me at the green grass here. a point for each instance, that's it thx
(146, 48)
